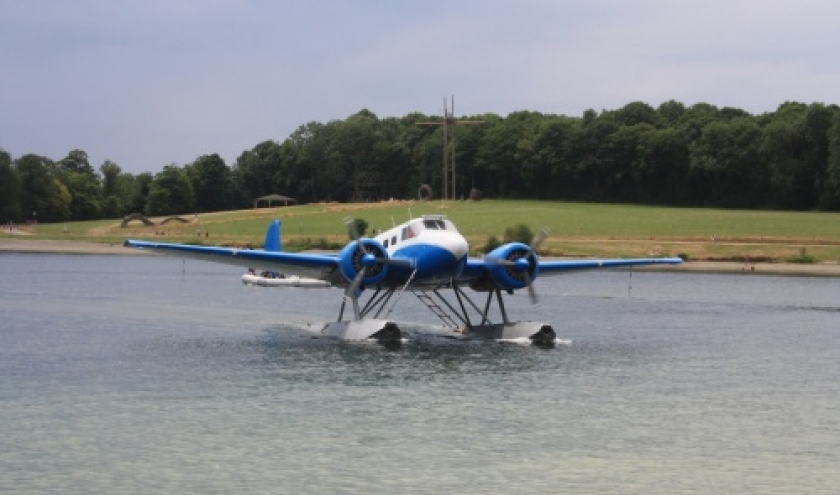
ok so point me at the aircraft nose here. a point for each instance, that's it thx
(459, 247)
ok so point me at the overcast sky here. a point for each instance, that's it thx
(146, 83)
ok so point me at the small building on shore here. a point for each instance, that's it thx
(276, 199)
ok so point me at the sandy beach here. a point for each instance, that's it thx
(23, 245)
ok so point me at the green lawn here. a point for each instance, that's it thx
(576, 228)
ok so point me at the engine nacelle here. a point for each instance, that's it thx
(351, 260)
(508, 264)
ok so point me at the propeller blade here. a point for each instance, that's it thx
(353, 231)
(541, 235)
(532, 292)
(350, 224)
(500, 262)
(401, 262)
(353, 289)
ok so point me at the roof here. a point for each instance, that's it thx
(275, 197)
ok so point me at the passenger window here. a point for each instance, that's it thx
(394, 240)
(385, 244)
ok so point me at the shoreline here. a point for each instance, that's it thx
(45, 246)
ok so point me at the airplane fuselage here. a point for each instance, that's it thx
(438, 250)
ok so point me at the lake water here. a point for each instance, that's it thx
(151, 375)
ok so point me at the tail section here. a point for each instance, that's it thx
(272, 237)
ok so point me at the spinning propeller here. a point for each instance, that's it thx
(366, 261)
(519, 263)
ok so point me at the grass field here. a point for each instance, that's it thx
(577, 229)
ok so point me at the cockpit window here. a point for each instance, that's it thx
(407, 233)
(434, 224)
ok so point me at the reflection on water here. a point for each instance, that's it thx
(148, 375)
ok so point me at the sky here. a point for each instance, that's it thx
(147, 83)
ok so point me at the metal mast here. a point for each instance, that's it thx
(449, 171)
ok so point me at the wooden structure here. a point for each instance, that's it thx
(274, 198)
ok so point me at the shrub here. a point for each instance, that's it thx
(361, 226)
(492, 243)
(519, 233)
(803, 257)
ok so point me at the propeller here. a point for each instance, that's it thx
(521, 265)
(367, 259)
(353, 230)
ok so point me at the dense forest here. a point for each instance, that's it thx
(672, 155)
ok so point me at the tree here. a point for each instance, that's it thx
(635, 113)
(727, 155)
(664, 159)
(136, 191)
(308, 149)
(623, 154)
(818, 129)
(77, 161)
(114, 196)
(830, 196)
(170, 192)
(672, 154)
(57, 205)
(211, 183)
(559, 150)
(255, 171)
(85, 193)
(507, 157)
(110, 178)
(351, 156)
(670, 112)
(40, 197)
(597, 168)
(9, 189)
(82, 182)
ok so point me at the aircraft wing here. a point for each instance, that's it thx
(318, 266)
(558, 266)
(477, 267)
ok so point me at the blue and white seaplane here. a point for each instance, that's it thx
(426, 256)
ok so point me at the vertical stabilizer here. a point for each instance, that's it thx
(272, 237)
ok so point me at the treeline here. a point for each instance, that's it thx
(670, 155)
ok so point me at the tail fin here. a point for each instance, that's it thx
(272, 237)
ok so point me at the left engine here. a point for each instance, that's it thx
(363, 255)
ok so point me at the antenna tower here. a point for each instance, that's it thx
(449, 186)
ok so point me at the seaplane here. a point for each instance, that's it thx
(424, 256)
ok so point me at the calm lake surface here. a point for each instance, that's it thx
(151, 375)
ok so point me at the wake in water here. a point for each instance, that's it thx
(415, 332)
